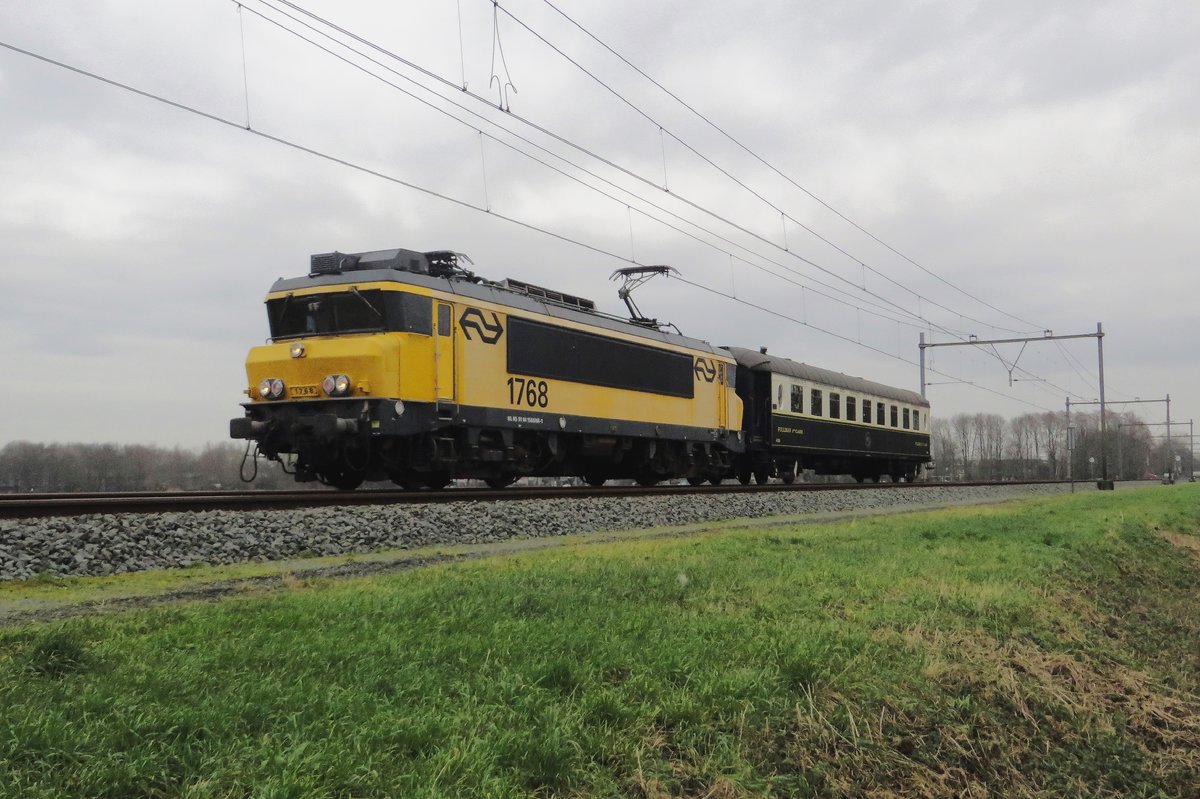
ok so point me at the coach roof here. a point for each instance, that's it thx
(757, 361)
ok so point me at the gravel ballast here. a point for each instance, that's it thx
(111, 544)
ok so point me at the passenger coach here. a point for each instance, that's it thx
(798, 416)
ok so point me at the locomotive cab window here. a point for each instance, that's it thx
(443, 320)
(906, 415)
(814, 404)
(895, 416)
(344, 312)
(851, 408)
(797, 399)
(835, 405)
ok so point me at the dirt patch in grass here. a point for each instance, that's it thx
(1188, 543)
(1012, 718)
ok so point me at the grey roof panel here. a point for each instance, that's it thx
(761, 362)
(492, 292)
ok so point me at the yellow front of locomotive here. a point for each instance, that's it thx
(347, 362)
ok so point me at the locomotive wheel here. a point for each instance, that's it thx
(761, 476)
(744, 474)
(438, 480)
(647, 480)
(500, 482)
(716, 479)
(594, 480)
(696, 481)
(345, 479)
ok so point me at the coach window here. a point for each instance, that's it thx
(851, 408)
(797, 399)
(866, 406)
(906, 418)
(895, 416)
(835, 406)
(916, 420)
(443, 320)
(879, 415)
(814, 405)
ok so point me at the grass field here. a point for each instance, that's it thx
(1041, 648)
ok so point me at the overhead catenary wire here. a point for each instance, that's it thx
(780, 173)
(430, 192)
(742, 184)
(509, 114)
(707, 231)
(848, 340)
(957, 334)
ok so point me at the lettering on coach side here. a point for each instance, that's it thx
(489, 331)
(705, 370)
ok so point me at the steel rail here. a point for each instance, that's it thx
(18, 506)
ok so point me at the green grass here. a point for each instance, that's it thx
(1043, 648)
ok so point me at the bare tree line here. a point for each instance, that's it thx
(1034, 446)
(75, 467)
(980, 446)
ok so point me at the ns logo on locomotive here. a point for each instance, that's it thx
(405, 366)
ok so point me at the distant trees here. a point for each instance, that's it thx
(26, 466)
(980, 446)
(1034, 446)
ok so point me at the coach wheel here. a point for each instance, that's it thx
(744, 474)
(647, 480)
(594, 480)
(696, 481)
(500, 482)
(897, 477)
(716, 479)
(875, 478)
(788, 473)
(859, 478)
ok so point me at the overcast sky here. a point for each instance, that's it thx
(985, 168)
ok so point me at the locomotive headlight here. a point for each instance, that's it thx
(336, 385)
(277, 388)
(297, 350)
(264, 388)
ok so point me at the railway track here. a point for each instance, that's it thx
(18, 506)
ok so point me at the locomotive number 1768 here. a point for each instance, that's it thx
(527, 391)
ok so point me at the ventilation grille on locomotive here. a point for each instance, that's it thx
(549, 295)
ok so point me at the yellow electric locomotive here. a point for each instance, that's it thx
(403, 365)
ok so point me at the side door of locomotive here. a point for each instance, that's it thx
(443, 353)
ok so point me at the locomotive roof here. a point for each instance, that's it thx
(757, 361)
(493, 292)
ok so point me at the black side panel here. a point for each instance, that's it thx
(801, 434)
(542, 350)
